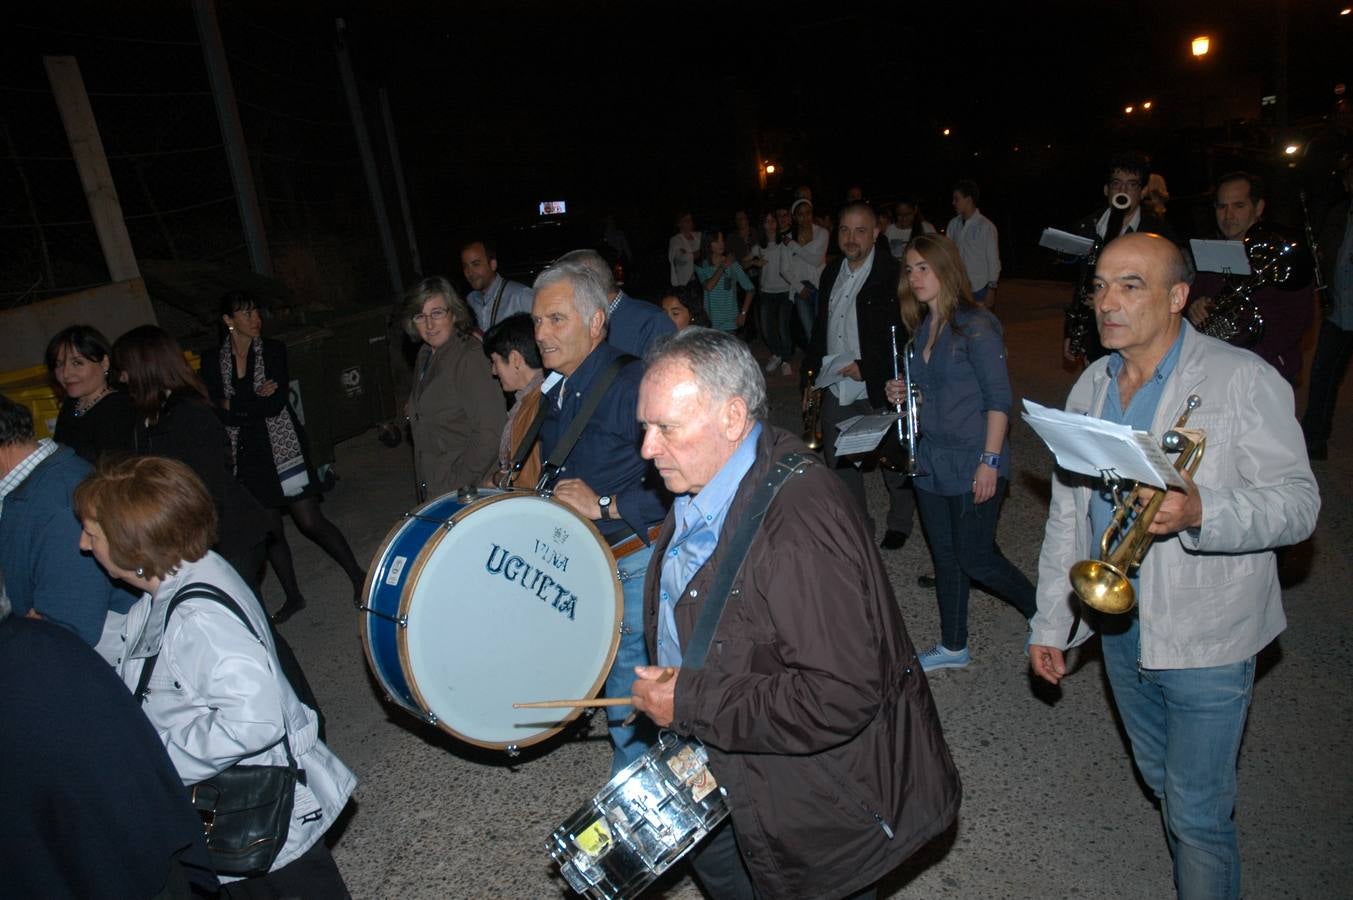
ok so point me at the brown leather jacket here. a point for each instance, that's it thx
(817, 716)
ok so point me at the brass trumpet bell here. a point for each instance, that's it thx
(1103, 586)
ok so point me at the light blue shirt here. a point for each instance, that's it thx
(1138, 416)
(699, 522)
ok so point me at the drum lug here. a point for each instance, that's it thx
(430, 718)
(402, 621)
(513, 751)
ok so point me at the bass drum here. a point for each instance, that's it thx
(481, 599)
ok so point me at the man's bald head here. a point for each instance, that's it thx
(1174, 267)
(1141, 288)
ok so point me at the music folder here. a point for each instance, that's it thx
(861, 434)
(1065, 242)
(1098, 448)
(1220, 256)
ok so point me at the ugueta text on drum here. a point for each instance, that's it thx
(514, 568)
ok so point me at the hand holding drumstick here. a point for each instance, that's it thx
(647, 695)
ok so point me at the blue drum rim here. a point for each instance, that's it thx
(415, 571)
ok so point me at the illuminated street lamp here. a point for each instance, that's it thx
(1201, 44)
(946, 132)
(1146, 105)
(770, 168)
(1291, 149)
(1128, 109)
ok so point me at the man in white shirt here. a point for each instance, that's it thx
(492, 298)
(976, 238)
(683, 250)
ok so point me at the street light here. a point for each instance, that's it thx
(1146, 105)
(1291, 149)
(946, 132)
(1128, 110)
(1201, 45)
(770, 168)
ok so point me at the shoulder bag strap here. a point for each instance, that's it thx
(708, 623)
(202, 591)
(551, 468)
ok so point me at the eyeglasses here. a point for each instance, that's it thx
(1131, 184)
(435, 315)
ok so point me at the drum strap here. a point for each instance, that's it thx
(551, 468)
(693, 657)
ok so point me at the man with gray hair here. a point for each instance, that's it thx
(47, 576)
(811, 688)
(632, 325)
(603, 477)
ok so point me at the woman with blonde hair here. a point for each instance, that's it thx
(958, 361)
(202, 661)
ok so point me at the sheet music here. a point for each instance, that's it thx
(861, 434)
(1220, 256)
(830, 371)
(1065, 242)
(1093, 447)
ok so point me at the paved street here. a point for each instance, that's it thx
(1051, 805)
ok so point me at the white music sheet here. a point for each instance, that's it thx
(861, 434)
(1065, 242)
(1093, 446)
(1220, 256)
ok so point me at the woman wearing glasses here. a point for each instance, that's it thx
(456, 410)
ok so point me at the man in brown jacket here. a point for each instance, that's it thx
(817, 717)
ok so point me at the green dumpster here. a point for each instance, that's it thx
(360, 386)
(305, 365)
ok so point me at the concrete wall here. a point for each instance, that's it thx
(111, 308)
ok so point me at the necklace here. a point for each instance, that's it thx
(84, 405)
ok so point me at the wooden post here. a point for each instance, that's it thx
(87, 147)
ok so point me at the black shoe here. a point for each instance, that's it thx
(926, 581)
(287, 610)
(1317, 450)
(893, 540)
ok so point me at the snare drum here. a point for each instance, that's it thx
(646, 818)
(481, 599)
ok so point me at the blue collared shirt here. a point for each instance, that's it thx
(699, 522)
(632, 325)
(606, 456)
(1139, 415)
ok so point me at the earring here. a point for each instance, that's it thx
(140, 572)
(230, 328)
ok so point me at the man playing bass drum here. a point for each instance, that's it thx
(1128, 174)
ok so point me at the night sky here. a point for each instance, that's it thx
(643, 109)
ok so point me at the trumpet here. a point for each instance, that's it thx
(812, 414)
(908, 417)
(1102, 583)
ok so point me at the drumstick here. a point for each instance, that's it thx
(569, 704)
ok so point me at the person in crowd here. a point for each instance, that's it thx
(1284, 299)
(721, 275)
(774, 308)
(602, 476)
(175, 419)
(515, 361)
(64, 715)
(908, 222)
(1127, 177)
(47, 576)
(811, 688)
(804, 258)
(683, 250)
(1334, 347)
(247, 380)
(1181, 666)
(205, 669)
(492, 297)
(455, 410)
(632, 325)
(96, 417)
(977, 241)
(854, 335)
(685, 306)
(958, 363)
(1156, 198)
(742, 238)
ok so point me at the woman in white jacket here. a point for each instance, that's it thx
(217, 695)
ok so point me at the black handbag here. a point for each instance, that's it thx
(245, 810)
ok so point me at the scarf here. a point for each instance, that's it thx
(285, 443)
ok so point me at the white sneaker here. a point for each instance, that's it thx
(772, 364)
(786, 369)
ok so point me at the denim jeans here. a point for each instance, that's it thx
(1333, 350)
(629, 741)
(773, 312)
(1185, 727)
(962, 538)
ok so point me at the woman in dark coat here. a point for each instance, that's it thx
(247, 380)
(174, 419)
(96, 417)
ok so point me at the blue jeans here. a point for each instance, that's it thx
(806, 309)
(773, 313)
(962, 538)
(629, 741)
(1185, 726)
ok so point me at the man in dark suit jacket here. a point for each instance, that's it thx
(857, 310)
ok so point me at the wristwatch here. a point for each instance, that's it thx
(604, 503)
(991, 459)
